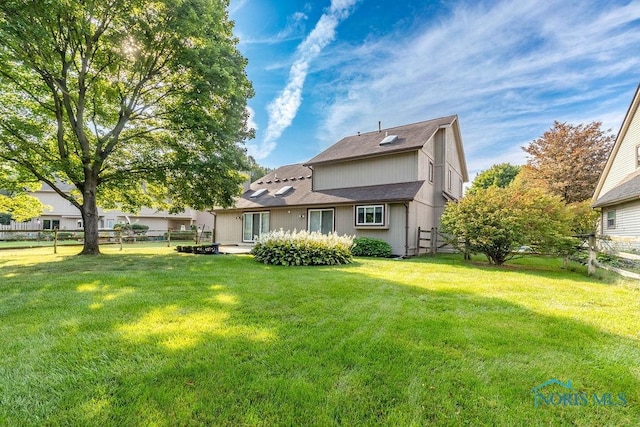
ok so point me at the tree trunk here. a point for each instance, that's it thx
(90, 218)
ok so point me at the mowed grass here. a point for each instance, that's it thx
(151, 337)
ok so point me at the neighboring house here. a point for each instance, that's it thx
(618, 190)
(382, 184)
(61, 214)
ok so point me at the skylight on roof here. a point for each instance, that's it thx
(283, 190)
(389, 139)
(258, 193)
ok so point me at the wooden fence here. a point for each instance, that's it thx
(26, 238)
(431, 241)
(626, 250)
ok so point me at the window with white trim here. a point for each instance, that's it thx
(611, 219)
(254, 224)
(370, 215)
(321, 220)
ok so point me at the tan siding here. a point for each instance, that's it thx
(205, 219)
(453, 163)
(625, 161)
(627, 221)
(394, 234)
(426, 155)
(422, 215)
(56, 204)
(155, 224)
(288, 219)
(69, 223)
(229, 227)
(389, 169)
(345, 219)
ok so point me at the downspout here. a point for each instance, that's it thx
(311, 169)
(406, 229)
(215, 220)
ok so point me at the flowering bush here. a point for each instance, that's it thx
(302, 248)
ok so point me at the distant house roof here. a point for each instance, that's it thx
(298, 177)
(627, 190)
(408, 138)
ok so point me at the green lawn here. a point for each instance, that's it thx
(151, 337)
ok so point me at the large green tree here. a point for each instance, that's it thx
(500, 175)
(498, 221)
(567, 159)
(134, 102)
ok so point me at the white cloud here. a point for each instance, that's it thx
(507, 69)
(251, 120)
(284, 108)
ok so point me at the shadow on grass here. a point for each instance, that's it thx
(541, 266)
(227, 341)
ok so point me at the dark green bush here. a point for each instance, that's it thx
(302, 248)
(135, 228)
(369, 246)
(139, 228)
(182, 235)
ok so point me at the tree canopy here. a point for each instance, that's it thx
(133, 102)
(498, 222)
(500, 175)
(568, 159)
(255, 170)
(15, 204)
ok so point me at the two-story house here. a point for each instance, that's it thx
(382, 184)
(618, 190)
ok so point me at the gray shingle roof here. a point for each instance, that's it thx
(410, 137)
(298, 177)
(628, 189)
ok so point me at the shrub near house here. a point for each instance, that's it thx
(369, 246)
(302, 248)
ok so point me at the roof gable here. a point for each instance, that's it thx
(409, 137)
(614, 173)
(627, 190)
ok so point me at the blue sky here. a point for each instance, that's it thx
(326, 69)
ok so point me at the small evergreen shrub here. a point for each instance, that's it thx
(182, 235)
(135, 228)
(138, 228)
(302, 248)
(369, 246)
